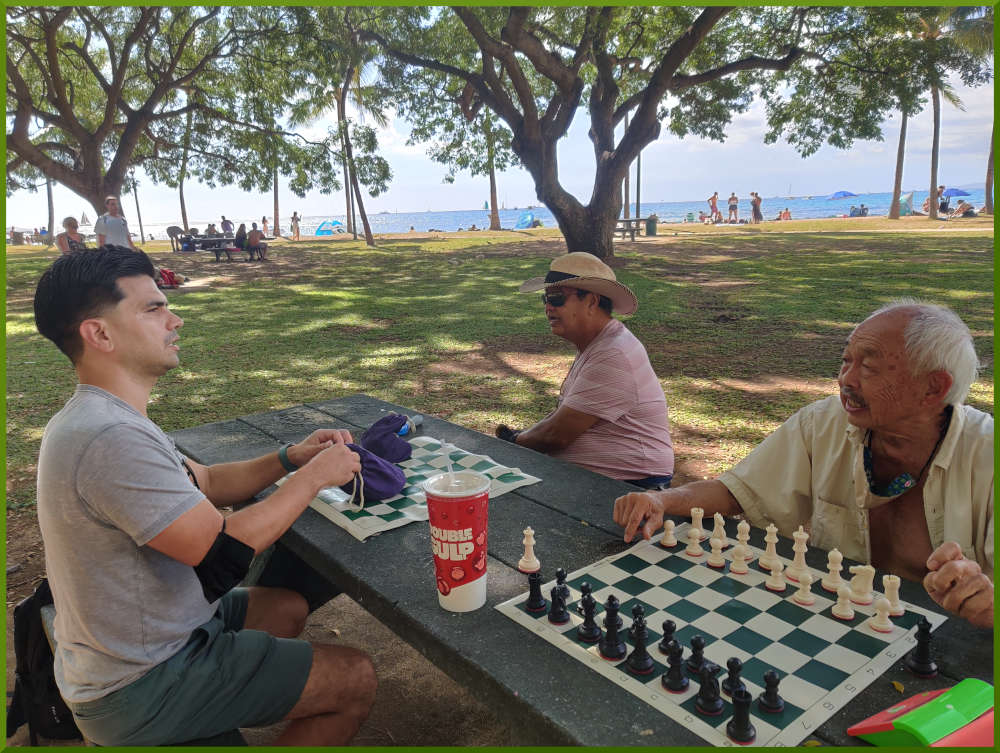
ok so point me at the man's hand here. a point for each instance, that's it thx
(506, 433)
(333, 466)
(315, 443)
(959, 585)
(639, 509)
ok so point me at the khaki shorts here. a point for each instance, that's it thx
(225, 677)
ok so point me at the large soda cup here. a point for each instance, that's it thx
(457, 508)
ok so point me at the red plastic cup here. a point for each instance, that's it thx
(457, 506)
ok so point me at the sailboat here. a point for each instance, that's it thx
(83, 219)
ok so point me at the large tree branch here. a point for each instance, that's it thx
(750, 63)
(549, 64)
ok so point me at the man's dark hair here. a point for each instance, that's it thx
(79, 286)
(603, 302)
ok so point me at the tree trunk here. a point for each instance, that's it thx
(989, 178)
(369, 238)
(638, 185)
(138, 214)
(274, 179)
(52, 214)
(494, 213)
(183, 171)
(897, 186)
(349, 204)
(932, 205)
(626, 196)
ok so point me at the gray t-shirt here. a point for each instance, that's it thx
(114, 229)
(109, 481)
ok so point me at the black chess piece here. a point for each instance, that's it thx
(536, 602)
(637, 609)
(561, 584)
(709, 700)
(919, 660)
(674, 678)
(668, 635)
(639, 661)
(611, 644)
(558, 614)
(739, 728)
(769, 700)
(588, 631)
(733, 681)
(697, 657)
(585, 589)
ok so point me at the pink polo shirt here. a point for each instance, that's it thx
(613, 380)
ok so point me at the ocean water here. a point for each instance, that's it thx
(801, 207)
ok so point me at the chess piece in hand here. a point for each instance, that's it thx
(959, 585)
(506, 433)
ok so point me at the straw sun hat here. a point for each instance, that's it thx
(585, 272)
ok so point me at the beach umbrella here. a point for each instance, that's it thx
(840, 195)
(949, 192)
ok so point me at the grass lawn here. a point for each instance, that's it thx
(742, 327)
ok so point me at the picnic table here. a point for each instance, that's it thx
(630, 226)
(546, 696)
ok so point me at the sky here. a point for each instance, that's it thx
(673, 169)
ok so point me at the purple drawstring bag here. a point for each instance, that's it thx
(382, 439)
(379, 479)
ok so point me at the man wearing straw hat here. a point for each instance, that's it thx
(611, 417)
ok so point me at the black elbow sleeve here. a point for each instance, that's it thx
(224, 566)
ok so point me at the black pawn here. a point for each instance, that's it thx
(668, 636)
(558, 614)
(674, 678)
(611, 644)
(561, 584)
(639, 661)
(697, 657)
(588, 631)
(739, 728)
(709, 701)
(637, 610)
(585, 590)
(919, 660)
(769, 700)
(733, 682)
(536, 602)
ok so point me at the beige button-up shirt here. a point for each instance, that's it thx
(810, 472)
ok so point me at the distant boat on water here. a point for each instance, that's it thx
(83, 219)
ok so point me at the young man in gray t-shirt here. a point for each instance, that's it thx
(155, 645)
(111, 227)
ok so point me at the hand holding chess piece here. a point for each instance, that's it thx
(959, 585)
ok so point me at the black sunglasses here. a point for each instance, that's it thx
(559, 299)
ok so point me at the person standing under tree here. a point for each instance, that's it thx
(295, 226)
(111, 227)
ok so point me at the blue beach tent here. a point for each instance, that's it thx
(329, 227)
(526, 220)
(840, 195)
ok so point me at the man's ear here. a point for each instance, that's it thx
(94, 332)
(938, 384)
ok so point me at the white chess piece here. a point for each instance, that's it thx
(770, 555)
(743, 536)
(776, 581)
(843, 609)
(739, 564)
(881, 621)
(719, 532)
(715, 559)
(697, 515)
(804, 596)
(861, 583)
(529, 562)
(794, 571)
(668, 540)
(891, 585)
(832, 580)
(694, 543)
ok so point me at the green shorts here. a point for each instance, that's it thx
(225, 677)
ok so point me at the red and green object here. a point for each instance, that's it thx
(958, 716)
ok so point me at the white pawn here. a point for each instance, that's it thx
(798, 566)
(891, 585)
(697, 515)
(804, 596)
(715, 559)
(739, 564)
(842, 609)
(719, 532)
(861, 583)
(881, 621)
(668, 540)
(776, 581)
(832, 581)
(529, 562)
(743, 536)
(694, 543)
(770, 555)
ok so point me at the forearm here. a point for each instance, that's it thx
(543, 436)
(711, 496)
(260, 525)
(230, 483)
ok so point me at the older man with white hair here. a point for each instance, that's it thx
(894, 471)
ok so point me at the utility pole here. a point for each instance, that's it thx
(138, 214)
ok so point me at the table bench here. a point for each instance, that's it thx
(630, 226)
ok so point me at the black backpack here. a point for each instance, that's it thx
(36, 698)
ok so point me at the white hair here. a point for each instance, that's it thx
(936, 339)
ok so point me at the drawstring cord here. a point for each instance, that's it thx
(359, 490)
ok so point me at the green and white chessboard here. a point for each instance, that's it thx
(823, 662)
(410, 505)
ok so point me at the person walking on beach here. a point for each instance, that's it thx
(295, 226)
(734, 207)
(263, 225)
(757, 213)
(713, 206)
(111, 227)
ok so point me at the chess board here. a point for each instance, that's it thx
(823, 661)
(429, 458)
